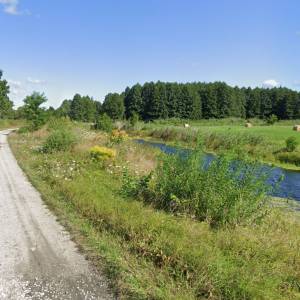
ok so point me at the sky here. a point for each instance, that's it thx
(93, 47)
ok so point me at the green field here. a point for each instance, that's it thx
(261, 142)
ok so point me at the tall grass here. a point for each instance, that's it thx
(211, 140)
(221, 192)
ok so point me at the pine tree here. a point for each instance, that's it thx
(133, 101)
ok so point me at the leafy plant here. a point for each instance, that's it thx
(104, 122)
(272, 119)
(221, 192)
(291, 144)
(133, 186)
(59, 140)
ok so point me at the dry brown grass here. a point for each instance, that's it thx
(138, 158)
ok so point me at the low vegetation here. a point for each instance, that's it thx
(59, 140)
(11, 123)
(261, 142)
(225, 242)
(219, 192)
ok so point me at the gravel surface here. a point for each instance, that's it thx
(38, 260)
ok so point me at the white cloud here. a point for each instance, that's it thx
(35, 81)
(270, 83)
(11, 7)
(15, 87)
(14, 83)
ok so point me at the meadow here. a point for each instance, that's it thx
(150, 250)
(262, 142)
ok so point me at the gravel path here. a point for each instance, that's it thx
(37, 258)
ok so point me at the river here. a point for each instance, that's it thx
(289, 187)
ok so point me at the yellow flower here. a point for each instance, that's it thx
(99, 152)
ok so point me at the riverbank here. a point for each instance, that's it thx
(148, 253)
(262, 143)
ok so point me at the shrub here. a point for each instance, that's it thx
(55, 123)
(135, 186)
(272, 119)
(104, 122)
(59, 140)
(134, 119)
(24, 129)
(102, 153)
(221, 192)
(289, 157)
(291, 144)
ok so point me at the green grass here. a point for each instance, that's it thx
(150, 254)
(270, 140)
(9, 123)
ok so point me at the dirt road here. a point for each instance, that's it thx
(37, 258)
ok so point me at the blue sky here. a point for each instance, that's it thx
(94, 47)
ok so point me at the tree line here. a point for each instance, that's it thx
(162, 100)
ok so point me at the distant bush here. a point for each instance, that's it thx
(56, 123)
(289, 157)
(291, 144)
(102, 153)
(272, 119)
(104, 122)
(134, 119)
(59, 140)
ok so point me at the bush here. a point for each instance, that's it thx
(104, 122)
(134, 119)
(135, 186)
(289, 157)
(56, 123)
(59, 140)
(221, 192)
(24, 129)
(272, 119)
(102, 153)
(291, 144)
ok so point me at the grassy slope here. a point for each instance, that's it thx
(152, 255)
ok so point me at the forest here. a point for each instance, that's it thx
(195, 101)
(164, 100)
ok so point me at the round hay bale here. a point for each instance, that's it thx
(296, 128)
